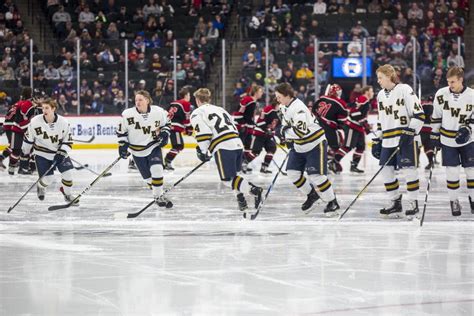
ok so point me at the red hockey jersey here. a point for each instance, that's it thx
(19, 116)
(357, 118)
(330, 111)
(179, 113)
(267, 122)
(244, 117)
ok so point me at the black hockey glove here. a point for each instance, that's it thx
(376, 148)
(123, 150)
(463, 135)
(162, 138)
(202, 156)
(1, 129)
(435, 139)
(407, 137)
(59, 158)
(281, 132)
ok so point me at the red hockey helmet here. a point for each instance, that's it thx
(334, 90)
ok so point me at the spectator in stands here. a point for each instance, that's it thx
(169, 38)
(119, 102)
(139, 17)
(51, 73)
(180, 72)
(152, 8)
(157, 91)
(455, 60)
(65, 71)
(139, 42)
(112, 32)
(355, 47)
(319, 7)
(106, 56)
(275, 71)
(397, 45)
(142, 64)
(212, 32)
(355, 93)
(151, 25)
(251, 62)
(304, 72)
(157, 65)
(60, 18)
(39, 82)
(439, 62)
(333, 7)
(6, 72)
(415, 13)
(400, 22)
(398, 61)
(86, 16)
(192, 80)
(374, 6)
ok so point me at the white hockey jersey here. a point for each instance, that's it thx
(141, 129)
(305, 131)
(399, 109)
(47, 139)
(215, 129)
(450, 112)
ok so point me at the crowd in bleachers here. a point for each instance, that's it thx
(102, 26)
(389, 27)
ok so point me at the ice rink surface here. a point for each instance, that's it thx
(201, 258)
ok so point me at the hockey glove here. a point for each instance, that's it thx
(189, 131)
(281, 132)
(1, 129)
(162, 138)
(376, 148)
(435, 139)
(463, 135)
(123, 150)
(406, 139)
(202, 156)
(59, 158)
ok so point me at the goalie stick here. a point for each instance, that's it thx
(58, 207)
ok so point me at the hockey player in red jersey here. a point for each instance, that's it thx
(15, 125)
(179, 113)
(355, 128)
(263, 135)
(331, 112)
(244, 119)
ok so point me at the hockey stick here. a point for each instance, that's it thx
(254, 216)
(368, 183)
(31, 187)
(427, 191)
(86, 166)
(103, 174)
(133, 215)
(84, 141)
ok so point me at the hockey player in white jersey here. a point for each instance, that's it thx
(400, 121)
(51, 139)
(309, 152)
(143, 131)
(217, 135)
(453, 118)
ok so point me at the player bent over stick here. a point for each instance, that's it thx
(51, 139)
(215, 133)
(453, 118)
(309, 152)
(401, 118)
(144, 130)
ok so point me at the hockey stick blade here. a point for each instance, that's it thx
(133, 215)
(84, 141)
(59, 207)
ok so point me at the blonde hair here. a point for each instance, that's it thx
(203, 95)
(51, 102)
(388, 71)
(145, 94)
(455, 72)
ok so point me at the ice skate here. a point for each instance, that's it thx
(167, 166)
(472, 205)
(24, 171)
(68, 197)
(257, 191)
(331, 208)
(163, 202)
(242, 202)
(355, 169)
(312, 197)
(265, 170)
(40, 191)
(413, 211)
(456, 208)
(394, 209)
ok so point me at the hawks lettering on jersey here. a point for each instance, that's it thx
(267, 122)
(179, 113)
(450, 112)
(305, 131)
(47, 139)
(141, 129)
(214, 129)
(330, 111)
(399, 109)
(19, 115)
